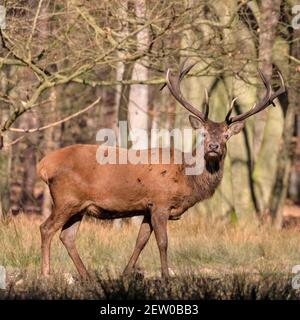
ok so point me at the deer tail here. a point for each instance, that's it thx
(42, 171)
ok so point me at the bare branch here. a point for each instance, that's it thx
(28, 43)
(6, 146)
(57, 122)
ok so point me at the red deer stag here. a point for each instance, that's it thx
(79, 185)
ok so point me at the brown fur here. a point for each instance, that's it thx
(124, 189)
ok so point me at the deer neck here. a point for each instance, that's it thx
(205, 184)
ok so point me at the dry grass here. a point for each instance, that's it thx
(201, 252)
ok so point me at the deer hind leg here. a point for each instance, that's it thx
(141, 241)
(159, 221)
(67, 236)
(54, 222)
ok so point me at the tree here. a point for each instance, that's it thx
(121, 51)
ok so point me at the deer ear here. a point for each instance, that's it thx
(235, 128)
(195, 122)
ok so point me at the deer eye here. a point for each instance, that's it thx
(226, 136)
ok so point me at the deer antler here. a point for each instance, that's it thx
(227, 119)
(261, 105)
(173, 83)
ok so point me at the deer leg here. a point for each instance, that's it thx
(159, 223)
(54, 222)
(141, 241)
(67, 236)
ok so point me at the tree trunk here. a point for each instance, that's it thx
(294, 183)
(50, 142)
(138, 98)
(284, 159)
(5, 155)
(124, 100)
(269, 16)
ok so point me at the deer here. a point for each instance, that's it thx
(80, 186)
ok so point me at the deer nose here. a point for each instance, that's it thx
(213, 146)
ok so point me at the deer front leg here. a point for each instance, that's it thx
(141, 241)
(159, 223)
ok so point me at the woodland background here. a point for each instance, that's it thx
(57, 57)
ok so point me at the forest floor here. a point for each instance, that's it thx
(208, 259)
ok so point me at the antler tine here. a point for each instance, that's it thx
(227, 119)
(173, 83)
(185, 71)
(282, 88)
(264, 103)
(182, 71)
(206, 105)
(268, 89)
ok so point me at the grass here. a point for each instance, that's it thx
(235, 286)
(209, 259)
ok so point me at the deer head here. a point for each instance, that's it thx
(216, 134)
